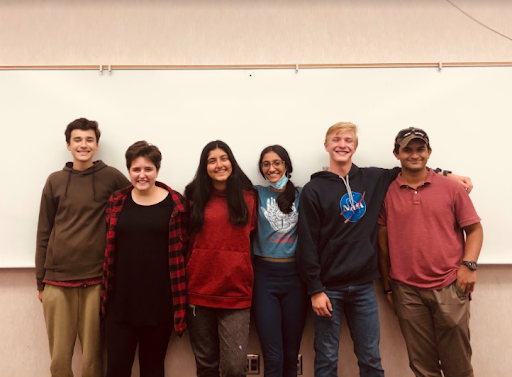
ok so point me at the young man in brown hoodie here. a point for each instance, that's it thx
(70, 250)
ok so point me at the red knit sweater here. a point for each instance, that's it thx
(219, 270)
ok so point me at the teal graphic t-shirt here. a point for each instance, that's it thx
(277, 232)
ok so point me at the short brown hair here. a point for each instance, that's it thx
(82, 124)
(342, 127)
(143, 149)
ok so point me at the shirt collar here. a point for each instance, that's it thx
(428, 180)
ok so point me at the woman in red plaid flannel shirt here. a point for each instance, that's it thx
(144, 286)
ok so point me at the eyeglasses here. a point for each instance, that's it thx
(277, 164)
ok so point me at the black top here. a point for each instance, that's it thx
(142, 290)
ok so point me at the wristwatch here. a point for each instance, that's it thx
(470, 264)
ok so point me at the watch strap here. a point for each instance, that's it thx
(472, 265)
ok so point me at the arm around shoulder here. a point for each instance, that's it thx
(464, 181)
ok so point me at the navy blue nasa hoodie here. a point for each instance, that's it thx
(337, 239)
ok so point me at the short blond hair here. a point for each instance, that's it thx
(342, 127)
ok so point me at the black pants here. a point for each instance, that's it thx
(280, 304)
(122, 340)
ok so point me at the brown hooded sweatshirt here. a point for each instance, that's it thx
(71, 232)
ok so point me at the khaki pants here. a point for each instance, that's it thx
(69, 312)
(435, 325)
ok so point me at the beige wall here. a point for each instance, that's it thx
(58, 32)
(24, 347)
(34, 32)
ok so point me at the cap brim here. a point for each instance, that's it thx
(406, 140)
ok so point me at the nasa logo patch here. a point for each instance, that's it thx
(354, 212)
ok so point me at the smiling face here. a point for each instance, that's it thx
(414, 156)
(218, 168)
(341, 146)
(143, 174)
(82, 145)
(272, 166)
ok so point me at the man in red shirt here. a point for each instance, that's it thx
(428, 269)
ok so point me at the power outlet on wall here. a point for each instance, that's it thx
(253, 364)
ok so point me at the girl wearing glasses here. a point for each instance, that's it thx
(223, 215)
(280, 300)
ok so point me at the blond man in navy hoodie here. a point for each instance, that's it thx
(70, 250)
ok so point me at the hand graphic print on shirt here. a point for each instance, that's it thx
(282, 223)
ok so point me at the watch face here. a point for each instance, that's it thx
(471, 265)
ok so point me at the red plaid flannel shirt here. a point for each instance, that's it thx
(178, 240)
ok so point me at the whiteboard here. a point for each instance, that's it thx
(466, 112)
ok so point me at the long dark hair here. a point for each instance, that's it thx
(287, 197)
(198, 191)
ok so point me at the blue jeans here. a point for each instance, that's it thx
(359, 304)
(280, 304)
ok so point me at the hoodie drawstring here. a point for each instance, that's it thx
(349, 191)
(69, 165)
(67, 185)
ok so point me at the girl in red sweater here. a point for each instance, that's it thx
(223, 215)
